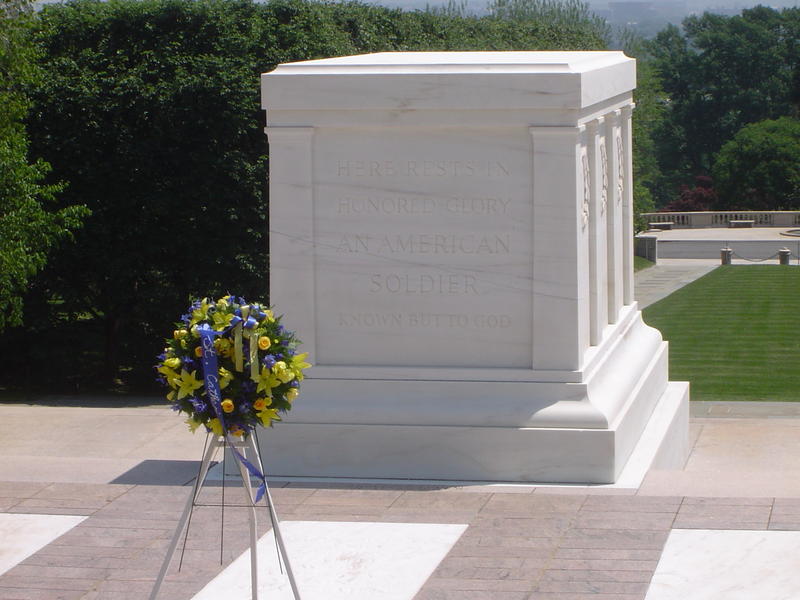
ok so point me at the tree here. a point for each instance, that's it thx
(701, 197)
(647, 118)
(29, 227)
(759, 169)
(719, 75)
(564, 15)
(150, 109)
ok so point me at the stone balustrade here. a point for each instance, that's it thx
(695, 220)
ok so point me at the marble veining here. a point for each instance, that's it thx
(341, 561)
(700, 564)
(22, 535)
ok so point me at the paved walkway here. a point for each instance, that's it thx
(659, 281)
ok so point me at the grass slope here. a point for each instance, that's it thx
(639, 263)
(733, 333)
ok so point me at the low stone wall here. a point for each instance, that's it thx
(696, 220)
(646, 246)
(749, 249)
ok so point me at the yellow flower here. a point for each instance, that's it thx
(227, 405)
(215, 426)
(298, 364)
(222, 303)
(172, 363)
(261, 404)
(179, 334)
(266, 381)
(282, 372)
(200, 313)
(198, 352)
(221, 320)
(225, 377)
(292, 394)
(223, 346)
(264, 343)
(187, 383)
(236, 430)
(168, 373)
(171, 396)
(268, 416)
(193, 424)
(270, 316)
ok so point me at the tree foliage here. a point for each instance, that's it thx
(29, 227)
(701, 197)
(562, 15)
(759, 168)
(647, 178)
(720, 74)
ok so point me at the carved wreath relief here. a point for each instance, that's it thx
(620, 170)
(604, 168)
(587, 192)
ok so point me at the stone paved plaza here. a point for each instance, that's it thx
(522, 542)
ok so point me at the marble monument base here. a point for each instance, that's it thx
(619, 411)
(533, 455)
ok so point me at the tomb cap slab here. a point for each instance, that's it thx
(450, 80)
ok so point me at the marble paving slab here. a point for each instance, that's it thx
(702, 564)
(341, 560)
(22, 535)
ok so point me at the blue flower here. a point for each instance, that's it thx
(248, 386)
(199, 405)
(295, 383)
(244, 408)
(280, 329)
(188, 364)
(269, 361)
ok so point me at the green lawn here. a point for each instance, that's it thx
(734, 333)
(639, 263)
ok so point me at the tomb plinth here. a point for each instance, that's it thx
(452, 233)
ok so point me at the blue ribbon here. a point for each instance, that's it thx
(211, 372)
(211, 378)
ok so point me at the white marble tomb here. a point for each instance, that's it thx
(451, 236)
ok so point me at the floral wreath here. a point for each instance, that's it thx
(231, 366)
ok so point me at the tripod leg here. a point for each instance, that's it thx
(253, 529)
(212, 447)
(276, 528)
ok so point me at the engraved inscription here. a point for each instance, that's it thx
(415, 205)
(421, 168)
(442, 284)
(423, 243)
(401, 320)
(422, 246)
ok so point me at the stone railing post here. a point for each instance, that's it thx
(725, 255)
